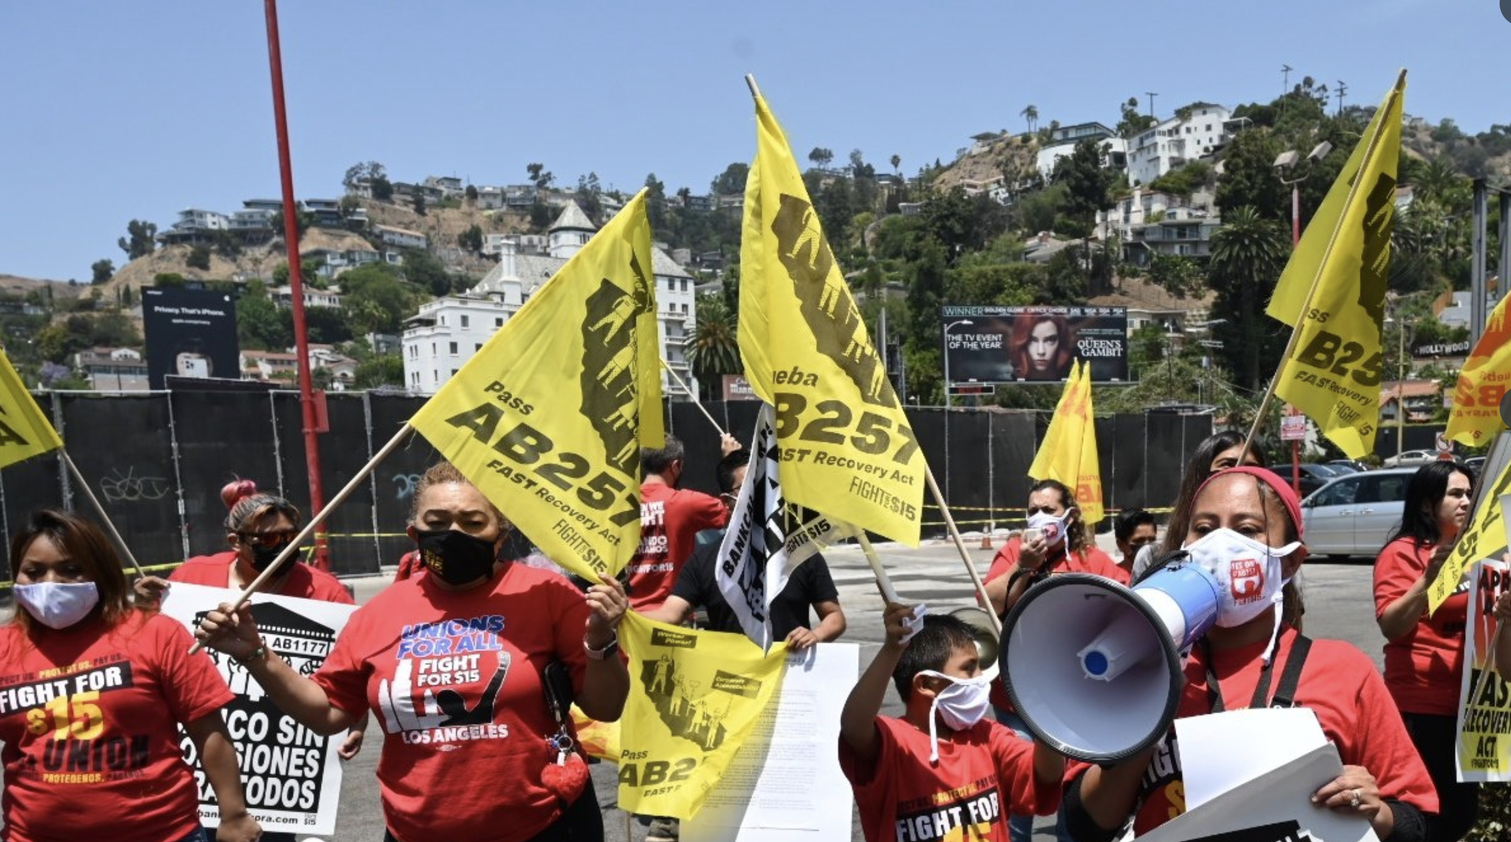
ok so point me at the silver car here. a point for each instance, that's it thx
(1354, 514)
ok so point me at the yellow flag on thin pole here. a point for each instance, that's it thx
(1482, 382)
(847, 447)
(1068, 453)
(24, 430)
(1333, 291)
(548, 418)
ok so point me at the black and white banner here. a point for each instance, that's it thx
(291, 775)
(767, 538)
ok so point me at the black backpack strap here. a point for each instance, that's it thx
(1285, 695)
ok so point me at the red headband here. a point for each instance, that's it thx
(1282, 490)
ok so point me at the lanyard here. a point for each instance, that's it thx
(1284, 697)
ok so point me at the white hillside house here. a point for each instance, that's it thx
(449, 330)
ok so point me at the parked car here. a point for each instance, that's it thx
(1409, 458)
(1347, 466)
(1475, 464)
(1354, 514)
(1313, 475)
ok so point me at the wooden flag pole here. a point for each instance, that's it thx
(965, 556)
(292, 548)
(105, 516)
(694, 397)
(883, 581)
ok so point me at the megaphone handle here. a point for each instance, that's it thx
(883, 581)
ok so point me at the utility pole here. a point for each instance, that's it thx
(1151, 95)
(1477, 285)
(1342, 89)
(1285, 79)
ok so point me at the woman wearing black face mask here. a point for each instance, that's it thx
(453, 663)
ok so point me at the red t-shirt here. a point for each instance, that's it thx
(1338, 683)
(455, 679)
(89, 716)
(1422, 668)
(669, 520)
(1092, 560)
(903, 797)
(301, 580)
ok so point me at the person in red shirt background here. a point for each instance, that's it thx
(1238, 514)
(92, 692)
(670, 519)
(1424, 653)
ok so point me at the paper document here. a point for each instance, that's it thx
(1219, 751)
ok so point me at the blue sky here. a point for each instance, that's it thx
(122, 110)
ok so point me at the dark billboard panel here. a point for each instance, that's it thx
(992, 344)
(190, 333)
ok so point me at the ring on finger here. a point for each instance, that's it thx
(1353, 798)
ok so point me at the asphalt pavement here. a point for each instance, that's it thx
(1338, 597)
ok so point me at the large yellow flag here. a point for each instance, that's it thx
(694, 698)
(1068, 453)
(549, 417)
(1333, 291)
(847, 448)
(1482, 382)
(1483, 537)
(24, 430)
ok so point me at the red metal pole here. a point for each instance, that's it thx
(1295, 241)
(296, 285)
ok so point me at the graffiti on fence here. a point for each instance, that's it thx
(130, 488)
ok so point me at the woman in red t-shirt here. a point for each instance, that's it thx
(1424, 653)
(92, 693)
(1246, 521)
(456, 665)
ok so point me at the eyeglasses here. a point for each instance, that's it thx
(268, 539)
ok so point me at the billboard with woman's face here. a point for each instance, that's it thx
(1033, 344)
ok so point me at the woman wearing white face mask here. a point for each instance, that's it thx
(91, 697)
(1245, 527)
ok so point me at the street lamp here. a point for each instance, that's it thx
(947, 327)
(1400, 381)
(1284, 165)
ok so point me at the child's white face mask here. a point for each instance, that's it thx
(961, 704)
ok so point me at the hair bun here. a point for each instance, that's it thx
(237, 490)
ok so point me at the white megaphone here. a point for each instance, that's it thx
(988, 644)
(1094, 668)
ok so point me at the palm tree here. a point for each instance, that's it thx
(712, 350)
(1248, 252)
(1030, 114)
(897, 164)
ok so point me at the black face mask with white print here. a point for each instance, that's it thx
(455, 556)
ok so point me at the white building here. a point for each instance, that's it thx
(401, 237)
(1177, 141)
(1062, 142)
(449, 330)
(283, 297)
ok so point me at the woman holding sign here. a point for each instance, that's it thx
(458, 665)
(92, 693)
(1247, 521)
(1424, 653)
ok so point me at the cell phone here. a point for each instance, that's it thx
(1033, 535)
(556, 681)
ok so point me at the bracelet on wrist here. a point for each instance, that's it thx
(261, 652)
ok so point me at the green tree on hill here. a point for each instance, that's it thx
(101, 271)
(140, 239)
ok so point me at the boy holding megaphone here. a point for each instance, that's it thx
(942, 769)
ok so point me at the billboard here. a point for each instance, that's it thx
(190, 333)
(1033, 344)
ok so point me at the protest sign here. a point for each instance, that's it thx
(291, 775)
(1275, 807)
(783, 780)
(1483, 748)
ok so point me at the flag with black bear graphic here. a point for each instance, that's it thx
(548, 419)
(847, 447)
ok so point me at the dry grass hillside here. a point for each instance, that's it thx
(1009, 154)
(17, 285)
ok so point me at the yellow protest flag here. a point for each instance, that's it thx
(548, 418)
(1484, 537)
(848, 449)
(695, 697)
(1333, 291)
(24, 430)
(1482, 382)
(1068, 453)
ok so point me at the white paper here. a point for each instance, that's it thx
(1274, 807)
(1219, 751)
(785, 782)
(298, 797)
